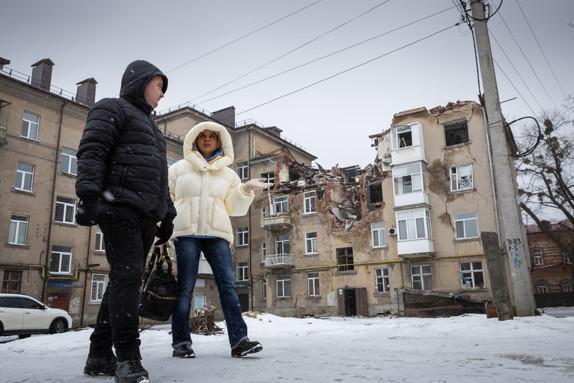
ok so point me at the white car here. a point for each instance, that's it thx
(23, 316)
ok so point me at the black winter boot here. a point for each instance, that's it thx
(101, 363)
(246, 347)
(131, 371)
(183, 351)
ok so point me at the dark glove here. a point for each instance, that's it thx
(88, 211)
(163, 232)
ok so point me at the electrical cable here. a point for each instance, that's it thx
(487, 6)
(293, 50)
(242, 37)
(531, 149)
(511, 83)
(322, 57)
(347, 70)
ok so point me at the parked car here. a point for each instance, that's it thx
(23, 316)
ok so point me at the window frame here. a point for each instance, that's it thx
(422, 277)
(282, 241)
(345, 259)
(378, 232)
(382, 281)
(242, 272)
(11, 281)
(98, 288)
(413, 175)
(407, 227)
(473, 274)
(270, 178)
(281, 204)
(99, 245)
(28, 123)
(61, 251)
(452, 126)
(22, 175)
(311, 243)
(16, 226)
(66, 204)
(458, 219)
(313, 285)
(283, 285)
(309, 202)
(242, 236)
(402, 137)
(538, 257)
(241, 168)
(456, 183)
(70, 165)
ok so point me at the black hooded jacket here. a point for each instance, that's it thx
(122, 153)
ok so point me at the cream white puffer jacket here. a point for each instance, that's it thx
(206, 194)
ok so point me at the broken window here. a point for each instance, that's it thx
(409, 178)
(375, 193)
(461, 178)
(345, 259)
(421, 277)
(282, 245)
(402, 137)
(456, 133)
(309, 202)
(269, 177)
(281, 205)
(472, 275)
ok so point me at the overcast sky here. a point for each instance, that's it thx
(276, 61)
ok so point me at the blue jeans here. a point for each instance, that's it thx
(218, 255)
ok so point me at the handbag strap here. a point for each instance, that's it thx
(164, 256)
(156, 254)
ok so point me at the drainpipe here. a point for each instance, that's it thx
(86, 278)
(48, 252)
(252, 298)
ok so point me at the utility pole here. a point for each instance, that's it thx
(515, 241)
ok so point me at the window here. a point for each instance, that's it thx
(242, 236)
(100, 245)
(11, 281)
(282, 245)
(69, 164)
(61, 260)
(542, 287)
(24, 177)
(269, 177)
(18, 229)
(198, 301)
(472, 275)
(414, 224)
(30, 123)
(566, 259)
(375, 193)
(264, 291)
(281, 204)
(378, 234)
(241, 169)
(566, 287)
(409, 178)
(461, 178)
(538, 259)
(421, 277)
(65, 209)
(466, 225)
(263, 251)
(309, 202)
(382, 280)
(311, 243)
(242, 271)
(283, 286)
(170, 162)
(99, 284)
(313, 284)
(345, 259)
(456, 133)
(402, 137)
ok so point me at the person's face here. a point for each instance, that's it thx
(153, 91)
(207, 143)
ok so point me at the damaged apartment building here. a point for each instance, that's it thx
(398, 236)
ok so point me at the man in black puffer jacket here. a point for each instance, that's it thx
(123, 187)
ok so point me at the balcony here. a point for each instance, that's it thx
(279, 261)
(416, 249)
(278, 222)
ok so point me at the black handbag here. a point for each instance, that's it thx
(157, 296)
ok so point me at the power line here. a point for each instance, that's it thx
(242, 37)
(348, 70)
(541, 50)
(516, 89)
(293, 50)
(527, 61)
(323, 57)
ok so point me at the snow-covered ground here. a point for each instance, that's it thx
(468, 348)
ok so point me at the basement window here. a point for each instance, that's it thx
(456, 133)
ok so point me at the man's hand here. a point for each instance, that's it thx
(163, 232)
(256, 184)
(88, 211)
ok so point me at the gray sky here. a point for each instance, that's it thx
(211, 49)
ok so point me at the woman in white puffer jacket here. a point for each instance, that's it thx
(206, 192)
